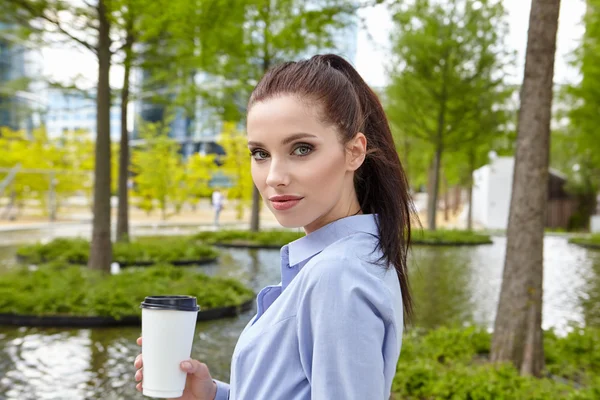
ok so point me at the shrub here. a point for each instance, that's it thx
(60, 289)
(155, 250)
(453, 364)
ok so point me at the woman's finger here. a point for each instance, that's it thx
(139, 341)
(139, 362)
(139, 375)
(139, 387)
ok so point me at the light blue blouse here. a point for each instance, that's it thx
(331, 330)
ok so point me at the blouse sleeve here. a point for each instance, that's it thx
(222, 390)
(343, 322)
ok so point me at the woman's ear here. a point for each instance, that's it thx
(356, 151)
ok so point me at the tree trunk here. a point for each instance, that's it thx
(446, 200)
(517, 331)
(457, 199)
(101, 248)
(266, 64)
(123, 209)
(254, 218)
(470, 189)
(441, 123)
(435, 185)
(470, 212)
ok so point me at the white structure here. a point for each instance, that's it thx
(492, 187)
(595, 220)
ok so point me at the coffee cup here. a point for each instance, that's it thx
(168, 325)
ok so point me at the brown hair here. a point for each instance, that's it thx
(350, 104)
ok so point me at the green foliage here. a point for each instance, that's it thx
(63, 165)
(70, 290)
(156, 250)
(447, 94)
(236, 165)
(161, 249)
(159, 170)
(590, 240)
(271, 238)
(453, 364)
(449, 237)
(578, 143)
(255, 35)
(199, 171)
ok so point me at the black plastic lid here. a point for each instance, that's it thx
(178, 303)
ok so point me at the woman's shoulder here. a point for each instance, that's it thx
(358, 253)
(356, 258)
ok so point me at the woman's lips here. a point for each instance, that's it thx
(283, 203)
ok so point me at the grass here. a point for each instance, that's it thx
(155, 250)
(453, 364)
(271, 238)
(62, 289)
(449, 237)
(591, 241)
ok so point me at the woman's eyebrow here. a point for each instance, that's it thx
(296, 136)
(287, 140)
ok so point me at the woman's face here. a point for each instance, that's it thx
(302, 170)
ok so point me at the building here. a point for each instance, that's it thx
(492, 189)
(21, 104)
(70, 110)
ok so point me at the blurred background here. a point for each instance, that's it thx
(120, 119)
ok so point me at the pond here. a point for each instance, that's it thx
(451, 285)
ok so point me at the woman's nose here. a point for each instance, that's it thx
(278, 175)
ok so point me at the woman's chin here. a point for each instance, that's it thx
(288, 221)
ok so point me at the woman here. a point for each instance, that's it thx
(323, 158)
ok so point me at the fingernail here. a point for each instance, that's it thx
(186, 365)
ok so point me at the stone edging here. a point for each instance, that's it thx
(416, 243)
(101, 322)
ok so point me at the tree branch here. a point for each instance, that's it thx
(36, 13)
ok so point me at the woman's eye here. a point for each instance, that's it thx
(303, 150)
(259, 155)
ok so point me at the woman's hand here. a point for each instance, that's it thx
(198, 383)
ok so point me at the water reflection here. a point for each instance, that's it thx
(440, 282)
(450, 286)
(589, 298)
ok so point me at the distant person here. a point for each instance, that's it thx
(322, 158)
(217, 203)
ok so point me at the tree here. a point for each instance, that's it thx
(50, 170)
(518, 327)
(137, 22)
(90, 27)
(263, 34)
(236, 166)
(494, 117)
(448, 65)
(158, 169)
(575, 147)
(200, 169)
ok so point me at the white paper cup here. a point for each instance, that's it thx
(168, 325)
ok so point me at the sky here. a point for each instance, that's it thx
(371, 53)
(372, 47)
